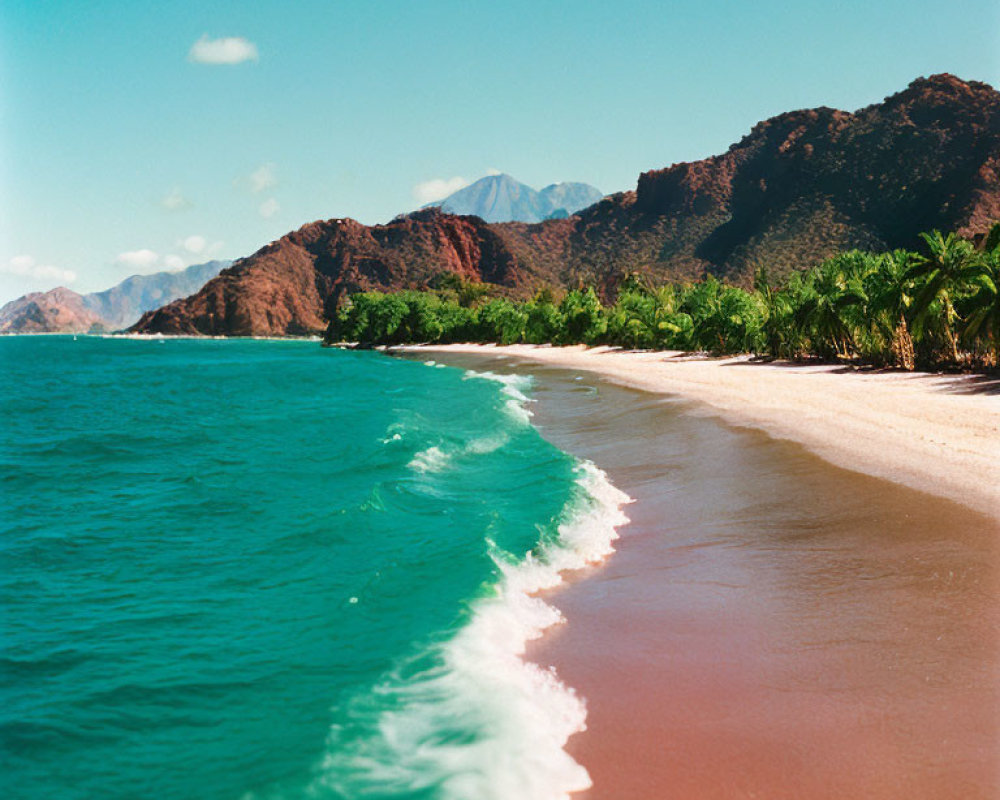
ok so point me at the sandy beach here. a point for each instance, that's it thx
(936, 433)
(805, 602)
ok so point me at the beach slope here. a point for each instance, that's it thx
(936, 433)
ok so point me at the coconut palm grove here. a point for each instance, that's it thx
(937, 306)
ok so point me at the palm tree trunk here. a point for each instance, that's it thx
(949, 315)
(953, 343)
(902, 346)
(996, 340)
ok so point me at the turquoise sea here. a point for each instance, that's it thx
(263, 569)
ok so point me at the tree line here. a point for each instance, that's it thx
(937, 306)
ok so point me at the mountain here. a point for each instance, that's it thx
(65, 311)
(289, 286)
(798, 188)
(59, 310)
(501, 198)
(569, 197)
(122, 305)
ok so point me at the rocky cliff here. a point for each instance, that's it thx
(796, 189)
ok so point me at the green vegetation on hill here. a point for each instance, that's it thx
(935, 307)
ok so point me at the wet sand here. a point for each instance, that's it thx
(937, 433)
(771, 625)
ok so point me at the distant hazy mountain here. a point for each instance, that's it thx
(501, 198)
(59, 310)
(62, 310)
(123, 304)
(570, 197)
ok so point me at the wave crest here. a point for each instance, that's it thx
(472, 718)
(514, 387)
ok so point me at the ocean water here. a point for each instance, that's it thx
(256, 570)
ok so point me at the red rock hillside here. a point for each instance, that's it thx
(796, 189)
(58, 310)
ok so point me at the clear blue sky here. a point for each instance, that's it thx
(123, 149)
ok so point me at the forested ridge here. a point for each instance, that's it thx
(932, 307)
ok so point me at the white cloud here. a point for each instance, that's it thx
(190, 250)
(26, 266)
(227, 50)
(262, 178)
(438, 188)
(174, 200)
(140, 259)
(258, 181)
(195, 244)
(494, 171)
(269, 207)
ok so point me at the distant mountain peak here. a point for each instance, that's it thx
(57, 310)
(502, 198)
(62, 310)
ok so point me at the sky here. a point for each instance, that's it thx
(138, 137)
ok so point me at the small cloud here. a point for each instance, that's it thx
(174, 200)
(494, 171)
(438, 188)
(190, 250)
(258, 181)
(262, 178)
(269, 208)
(21, 264)
(140, 259)
(227, 50)
(27, 267)
(195, 244)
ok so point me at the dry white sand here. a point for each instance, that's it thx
(935, 433)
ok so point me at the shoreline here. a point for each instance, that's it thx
(770, 624)
(938, 434)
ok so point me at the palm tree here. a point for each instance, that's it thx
(890, 292)
(950, 265)
(700, 302)
(669, 327)
(823, 302)
(777, 314)
(983, 317)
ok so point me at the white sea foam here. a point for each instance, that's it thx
(514, 387)
(470, 718)
(433, 459)
(484, 723)
(438, 459)
(486, 444)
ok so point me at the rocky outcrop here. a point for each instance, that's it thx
(291, 285)
(805, 184)
(798, 188)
